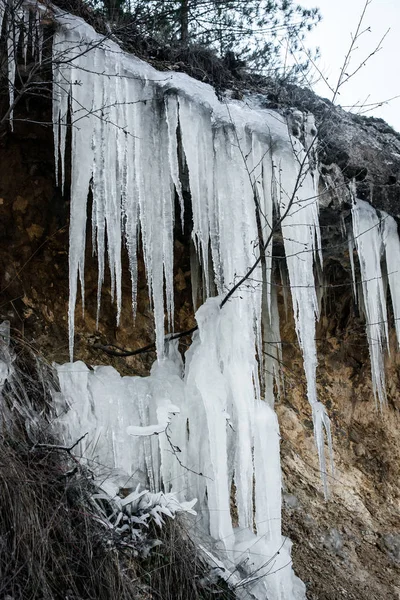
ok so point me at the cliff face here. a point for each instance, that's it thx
(347, 547)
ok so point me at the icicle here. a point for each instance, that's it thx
(40, 38)
(98, 146)
(26, 18)
(172, 122)
(351, 245)
(368, 240)
(2, 13)
(130, 200)
(298, 202)
(321, 422)
(197, 143)
(391, 243)
(81, 174)
(11, 27)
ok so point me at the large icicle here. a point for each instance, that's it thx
(376, 239)
(368, 241)
(297, 189)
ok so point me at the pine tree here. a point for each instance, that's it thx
(259, 32)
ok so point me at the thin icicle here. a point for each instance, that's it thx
(321, 422)
(351, 246)
(11, 27)
(392, 254)
(171, 104)
(297, 186)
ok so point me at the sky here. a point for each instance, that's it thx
(379, 79)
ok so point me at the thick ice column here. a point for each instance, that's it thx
(206, 383)
(368, 241)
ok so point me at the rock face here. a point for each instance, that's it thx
(347, 547)
(351, 147)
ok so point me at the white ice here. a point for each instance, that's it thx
(211, 435)
(367, 232)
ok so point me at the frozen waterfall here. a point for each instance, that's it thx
(141, 140)
(134, 132)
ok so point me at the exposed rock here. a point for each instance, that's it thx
(35, 231)
(392, 544)
(20, 204)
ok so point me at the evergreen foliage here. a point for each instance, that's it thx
(260, 33)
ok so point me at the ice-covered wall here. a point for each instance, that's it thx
(134, 132)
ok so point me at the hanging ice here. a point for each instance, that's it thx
(368, 241)
(134, 133)
(391, 242)
(377, 242)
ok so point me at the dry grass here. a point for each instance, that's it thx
(51, 546)
(177, 569)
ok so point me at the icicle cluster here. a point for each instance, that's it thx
(208, 430)
(21, 23)
(378, 246)
(136, 135)
(126, 121)
(140, 140)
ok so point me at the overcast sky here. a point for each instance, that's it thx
(379, 79)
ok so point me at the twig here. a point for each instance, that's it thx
(175, 450)
(121, 352)
(67, 449)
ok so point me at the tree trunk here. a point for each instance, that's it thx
(184, 23)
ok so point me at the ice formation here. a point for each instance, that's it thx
(216, 435)
(376, 238)
(21, 21)
(140, 140)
